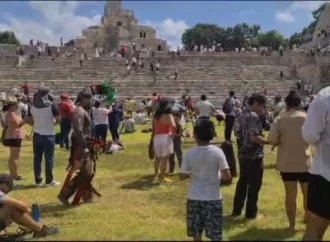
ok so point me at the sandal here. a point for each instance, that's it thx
(18, 178)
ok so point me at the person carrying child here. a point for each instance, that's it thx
(206, 165)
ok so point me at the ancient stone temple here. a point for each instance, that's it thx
(119, 27)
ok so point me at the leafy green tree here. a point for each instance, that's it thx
(295, 39)
(203, 34)
(271, 39)
(8, 37)
(231, 37)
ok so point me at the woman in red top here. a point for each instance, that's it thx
(163, 128)
(66, 111)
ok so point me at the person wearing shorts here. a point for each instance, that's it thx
(316, 131)
(205, 165)
(13, 135)
(294, 156)
(163, 128)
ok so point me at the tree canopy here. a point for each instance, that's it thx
(8, 37)
(297, 38)
(244, 35)
(240, 36)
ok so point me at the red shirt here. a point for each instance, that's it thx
(154, 99)
(26, 89)
(65, 109)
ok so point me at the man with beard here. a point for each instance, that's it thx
(80, 157)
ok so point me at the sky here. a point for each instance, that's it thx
(48, 21)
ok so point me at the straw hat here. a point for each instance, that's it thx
(9, 101)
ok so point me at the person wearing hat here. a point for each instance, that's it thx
(41, 116)
(66, 111)
(16, 211)
(13, 135)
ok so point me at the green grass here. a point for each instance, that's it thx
(131, 208)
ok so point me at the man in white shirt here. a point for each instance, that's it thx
(204, 107)
(43, 115)
(316, 131)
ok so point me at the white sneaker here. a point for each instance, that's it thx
(38, 184)
(53, 184)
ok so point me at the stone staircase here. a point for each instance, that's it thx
(211, 75)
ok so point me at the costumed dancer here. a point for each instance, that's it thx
(84, 149)
(80, 157)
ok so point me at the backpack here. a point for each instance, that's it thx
(227, 107)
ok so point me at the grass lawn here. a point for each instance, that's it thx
(131, 208)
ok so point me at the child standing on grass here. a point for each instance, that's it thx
(206, 165)
(177, 147)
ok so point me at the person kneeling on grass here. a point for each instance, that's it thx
(206, 165)
(16, 211)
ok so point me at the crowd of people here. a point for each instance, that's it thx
(291, 130)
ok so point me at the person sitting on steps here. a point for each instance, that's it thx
(16, 211)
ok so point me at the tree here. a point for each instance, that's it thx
(8, 37)
(203, 34)
(295, 39)
(271, 39)
(310, 29)
(229, 38)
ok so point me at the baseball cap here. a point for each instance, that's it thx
(8, 179)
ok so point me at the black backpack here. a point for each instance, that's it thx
(226, 108)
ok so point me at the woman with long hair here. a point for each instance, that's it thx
(163, 128)
(294, 156)
(13, 135)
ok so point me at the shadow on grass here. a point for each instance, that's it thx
(143, 184)
(54, 209)
(270, 166)
(27, 187)
(255, 233)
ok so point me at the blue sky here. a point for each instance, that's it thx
(48, 21)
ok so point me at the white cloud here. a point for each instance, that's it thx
(169, 30)
(288, 16)
(58, 19)
(306, 5)
(285, 17)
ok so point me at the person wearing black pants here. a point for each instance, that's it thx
(248, 185)
(249, 132)
(176, 144)
(114, 118)
(229, 124)
(229, 109)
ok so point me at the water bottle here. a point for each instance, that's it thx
(35, 212)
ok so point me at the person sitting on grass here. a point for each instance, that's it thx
(16, 211)
(128, 125)
(206, 165)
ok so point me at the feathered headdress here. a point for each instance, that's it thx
(105, 89)
(108, 91)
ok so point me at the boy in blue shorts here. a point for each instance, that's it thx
(205, 165)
